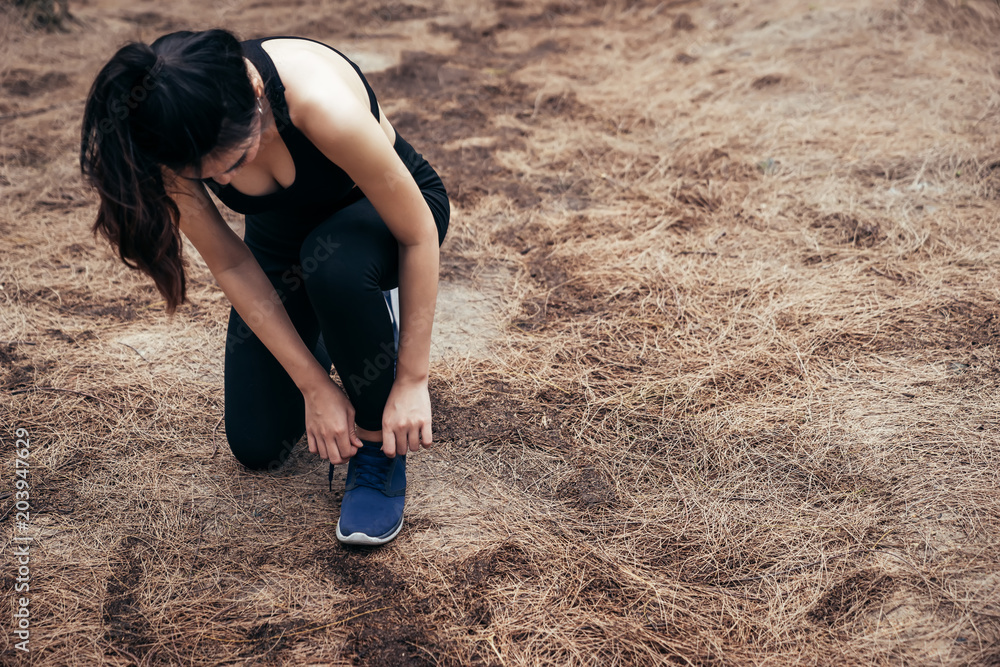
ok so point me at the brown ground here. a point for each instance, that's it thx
(730, 275)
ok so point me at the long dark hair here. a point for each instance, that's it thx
(169, 104)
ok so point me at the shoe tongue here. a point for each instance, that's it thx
(370, 459)
(373, 465)
(372, 468)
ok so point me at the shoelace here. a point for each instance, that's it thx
(371, 471)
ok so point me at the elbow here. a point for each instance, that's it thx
(424, 235)
(425, 243)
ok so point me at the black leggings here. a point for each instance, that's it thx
(330, 277)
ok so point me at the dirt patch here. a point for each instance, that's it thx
(500, 421)
(849, 230)
(21, 82)
(950, 326)
(850, 598)
(270, 638)
(465, 320)
(683, 21)
(767, 81)
(386, 635)
(390, 12)
(124, 620)
(467, 95)
(18, 370)
(588, 489)
(507, 560)
(416, 75)
(360, 570)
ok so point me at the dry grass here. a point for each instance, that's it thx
(742, 410)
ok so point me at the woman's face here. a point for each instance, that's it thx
(222, 165)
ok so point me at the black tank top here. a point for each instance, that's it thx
(320, 186)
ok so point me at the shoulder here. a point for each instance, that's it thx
(319, 84)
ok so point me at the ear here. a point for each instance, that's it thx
(256, 80)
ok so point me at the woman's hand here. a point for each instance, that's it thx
(406, 419)
(330, 422)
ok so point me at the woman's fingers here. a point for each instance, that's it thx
(330, 424)
(345, 447)
(410, 440)
(326, 447)
(342, 439)
(425, 434)
(406, 420)
(403, 440)
(388, 442)
(352, 432)
(331, 437)
(321, 446)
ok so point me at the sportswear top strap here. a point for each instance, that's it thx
(272, 82)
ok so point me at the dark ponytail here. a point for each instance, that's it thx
(168, 104)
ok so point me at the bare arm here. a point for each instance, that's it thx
(343, 128)
(255, 299)
(354, 140)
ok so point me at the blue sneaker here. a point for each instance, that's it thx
(372, 510)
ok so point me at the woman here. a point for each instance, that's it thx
(339, 208)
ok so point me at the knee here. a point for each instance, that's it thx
(326, 263)
(323, 254)
(320, 248)
(258, 451)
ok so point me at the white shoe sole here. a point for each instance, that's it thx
(361, 538)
